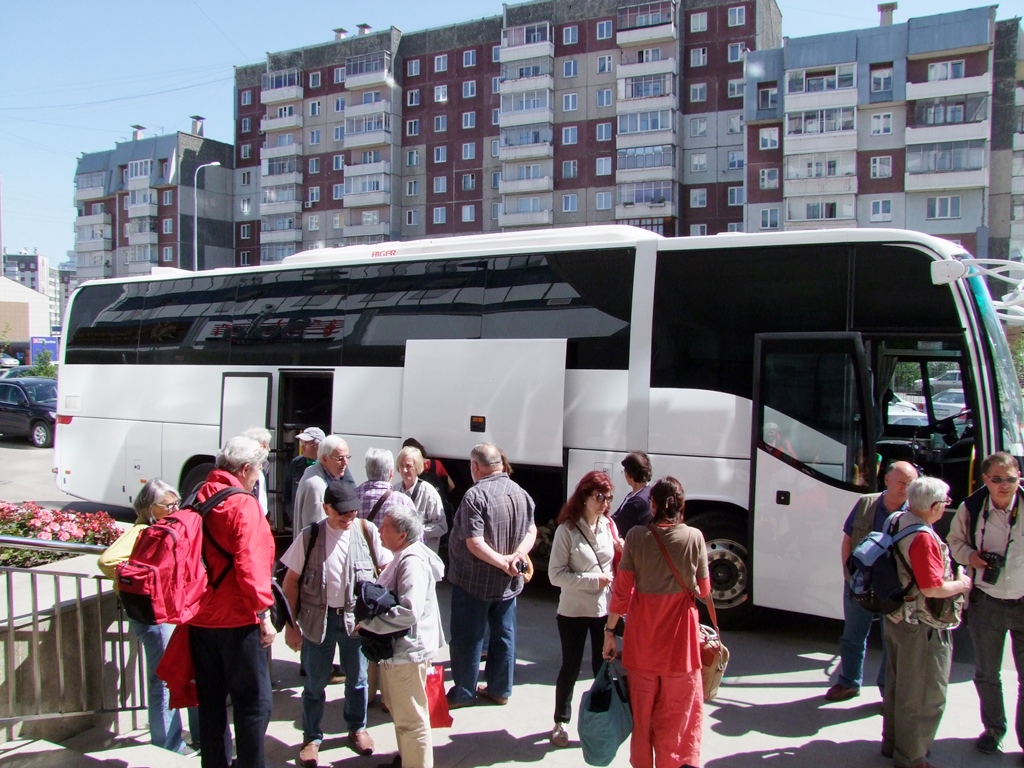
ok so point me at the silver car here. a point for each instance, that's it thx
(948, 403)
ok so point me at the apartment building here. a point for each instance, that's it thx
(34, 270)
(138, 205)
(552, 114)
(895, 126)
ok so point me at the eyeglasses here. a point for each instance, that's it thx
(602, 498)
(1012, 479)
(171, 505)
(947, 501)
(342, 457)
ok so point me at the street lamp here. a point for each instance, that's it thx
(195, 214)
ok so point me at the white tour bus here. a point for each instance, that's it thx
(568, 348)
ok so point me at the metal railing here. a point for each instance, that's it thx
(66, 649)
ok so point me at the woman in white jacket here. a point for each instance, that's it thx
(581, 565)
(426, 498)
(412, 576)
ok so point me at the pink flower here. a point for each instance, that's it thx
(63, 536)
(46, 535)
(46, 515)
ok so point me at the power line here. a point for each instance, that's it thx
(119, 98)
(217, 27)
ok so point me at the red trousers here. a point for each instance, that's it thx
(668, 718)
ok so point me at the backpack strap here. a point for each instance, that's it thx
(380, 503)
(898, 536)
(203, 508)
(314, 530)
(709, 602)
(369, 546)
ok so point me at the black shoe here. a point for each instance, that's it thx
(987, 743)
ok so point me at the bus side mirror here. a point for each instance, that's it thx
(948, 271)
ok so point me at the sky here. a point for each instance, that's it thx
(78, 75)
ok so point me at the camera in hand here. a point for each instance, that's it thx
(994, 563)
(521, 566)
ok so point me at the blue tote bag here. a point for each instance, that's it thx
(605, 717)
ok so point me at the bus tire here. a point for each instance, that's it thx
(194, 478)
(729, 568)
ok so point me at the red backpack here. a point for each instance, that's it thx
(165, 577)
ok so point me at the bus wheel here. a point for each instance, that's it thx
(195, 477)
(729, 567)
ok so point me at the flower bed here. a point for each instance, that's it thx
(31, 521)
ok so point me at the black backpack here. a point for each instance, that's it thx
(874, 576)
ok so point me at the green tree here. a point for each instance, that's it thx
(1017, 351)
(43, 366)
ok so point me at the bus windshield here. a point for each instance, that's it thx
(1011, 409)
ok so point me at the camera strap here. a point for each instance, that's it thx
(1009, 531)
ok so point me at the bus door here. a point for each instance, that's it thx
(812, 456)
(245, 403)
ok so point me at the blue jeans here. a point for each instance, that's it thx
(319, 664)
(854, 642)
(470, 617)
(164, 723)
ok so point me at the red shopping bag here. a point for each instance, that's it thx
(437, 702)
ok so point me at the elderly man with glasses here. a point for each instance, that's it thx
(987, 535)
(331, 464)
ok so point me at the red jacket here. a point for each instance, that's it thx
(239, 526)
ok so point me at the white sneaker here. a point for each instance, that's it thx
(558, 736)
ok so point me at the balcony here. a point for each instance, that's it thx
(647, 104)
(659, 33)
(143, 238)
(829, 185)
(802, 102)
(1017, 185)
(529, 219)
(366, 80)
(945, 180)
(380, 229)
(278, 95)
(938, 89)
(837, 141)
(142, 209)
(526, 117)
(367, 139)
(638, 69)
(537, 151)
(1016, 230)
(273, 209)
(364, 199)
(635, 175)
(88, 193)
(138, 182)
(540, 82)
(522, 186)
(280, 123)
(89, 246)
(370, 108)
(281, 179)
(810, 224)
(281, 236)
(1018, 141)
(92, 219)
(288, 150)
(644, 139)
(364, 169)
(645, 210)
(925, 134)
(528, 51)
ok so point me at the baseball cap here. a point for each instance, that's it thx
(341, 494)
(311, 433)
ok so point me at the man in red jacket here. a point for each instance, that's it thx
(230, 633)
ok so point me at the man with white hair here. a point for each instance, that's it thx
(376, 494)
(331, 464)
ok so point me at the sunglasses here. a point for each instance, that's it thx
(172, 506)
(603, 497)
(998, 480)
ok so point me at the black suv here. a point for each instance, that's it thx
(28, 407)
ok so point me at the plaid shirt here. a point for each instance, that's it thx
(369, 494)
(500, 512)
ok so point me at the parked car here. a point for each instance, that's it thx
(948, 403)
(6, 361)
(28, 408)
(943, 381)
(17, 372)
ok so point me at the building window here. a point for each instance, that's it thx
(168, 253)
(440, 184)
(881, 210)
(943, 207)
(569, 169)
(604, 166)
(698, 198)
(412, 67)
(244, 258)
(604, 97)
(314, 137)
(412, 157)
(246, 151)
(339, 133)
(168, 226)
(440, 123)
(314, 79)
(337, 219)
(735, 123)
(569, 203)
(441, 63)
(469, 150)
(698, 127)
(698, 57)
(769, 178)
(338, 162)
(699, 92)
(469, 58)
(246, 98)
(570, 68)
(412, 188)
(881, 124)
(698, 230)
(495, 179)
(570, 101)
(314, 108)
(603, 201)
(440, 215)
(736, 51)
(881, 167)
(569, 134)
(338, 192)
(946, 70)
(495, 147)
(412, 217)
(412, 127)
(339, 103)
(604, 30)
(469, 89)
(245, 232)
(769, 218)
(604, 131)
(468, 182)
(168, 194)
(698, 162)
(412, 97)
(440, 94)
(246, 124)
(313, 222)
(495, 53)
(570, 35)
(699, 22)
(736, 89)
(736, 196)
(314, 165)
(604, 64)
(313, 194)
(735, 160)
(469, 119)
(440, 154)
(468, 213)
(817, 121)
(767, 96)
(495, 210)
(881, 79)
(737, 16)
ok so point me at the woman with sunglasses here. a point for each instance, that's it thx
(581, 566)
(154, 501)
